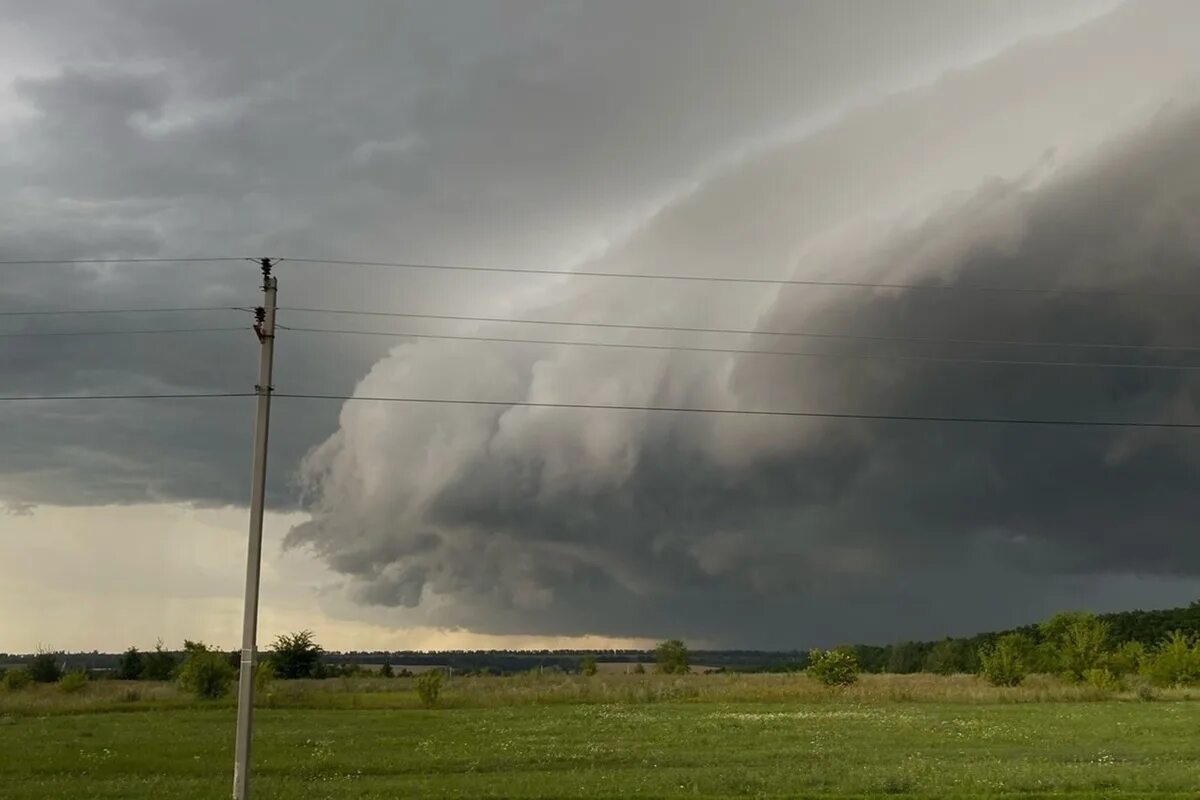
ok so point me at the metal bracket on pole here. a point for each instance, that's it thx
(264, 329)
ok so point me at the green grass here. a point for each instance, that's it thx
(500, 740)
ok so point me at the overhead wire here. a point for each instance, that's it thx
(186, 260)
(34, 334)
(80, 311)
(167, 396)
(749, 331)
(631, 407)
(757, 412)
(789, 353)
(935, 287)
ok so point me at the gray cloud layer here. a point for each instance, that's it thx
(636, 523)
(641, 136)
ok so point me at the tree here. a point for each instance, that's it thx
(44, 668)
(672, 657)
(1126, 659)
(1005, 662)
(295, 655)
(905, 658)
(386, 670)
(130, 667)
(159, 665)
(587, 666)
(1175, 662)
(833, 667)
(1078, 642)
(205, 673)
(950, 656)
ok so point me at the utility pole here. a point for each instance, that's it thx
(264, 327)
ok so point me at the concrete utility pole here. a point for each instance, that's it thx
(264, 327)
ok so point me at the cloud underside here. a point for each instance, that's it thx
(638, 522)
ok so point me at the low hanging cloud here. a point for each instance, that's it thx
(752, 530)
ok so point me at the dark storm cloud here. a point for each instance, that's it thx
(665, 136)
(734, 528)
(507, 133)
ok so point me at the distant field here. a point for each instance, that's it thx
(609, 736)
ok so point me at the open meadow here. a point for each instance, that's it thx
(609, 736)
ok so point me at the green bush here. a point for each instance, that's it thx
(673, 657)
(44, 668)
(130, 667)
(1126, 659)
(1102, 679)
(833, 667)
(159, 665)
(429, 687)
(205, 673)
(639, 669)
(950, 656)
(1175, 662)
(587, 666)
(296, 655)
(1005, 662)
(264, 676)
(1073, 643)
(386, 670)
(74, 681)
(17, 679)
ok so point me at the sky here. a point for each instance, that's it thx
(994, 144)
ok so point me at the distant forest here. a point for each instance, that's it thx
(949, 655)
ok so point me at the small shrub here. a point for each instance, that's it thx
(129, 668)
(1005, 663)
(264, 676)
(639, 669)
(73, 681)
(587, 666)
(159, 665)
(1102, 679)
(1146, 693)
(205, 673)
(833, 667)
(1126, 659)
(44, 668)
(429, 687)
(1175, 662)
(17, 679)
(386, 670)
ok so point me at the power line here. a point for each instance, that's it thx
(791, 353)
(1065, 290)
(117, 333)
(75, 311)
(763, 413)
(32, 262)
(750, 332)
(185, 396)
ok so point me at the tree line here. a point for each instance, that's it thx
(1161, 646)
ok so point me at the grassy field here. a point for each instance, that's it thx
(609, 736)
